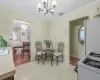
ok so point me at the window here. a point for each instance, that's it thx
(81, 35)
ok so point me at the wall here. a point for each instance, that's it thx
(37, 26)
(76, 49)
(60, 27)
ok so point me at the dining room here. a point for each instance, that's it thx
(45, 52)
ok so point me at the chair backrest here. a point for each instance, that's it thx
(60, 47)
(38, 46)
(26, 45)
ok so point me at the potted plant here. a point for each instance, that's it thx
(47, 43)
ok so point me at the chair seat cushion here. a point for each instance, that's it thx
(57, 53)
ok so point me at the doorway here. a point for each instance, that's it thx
(77, 40)
(21, 34)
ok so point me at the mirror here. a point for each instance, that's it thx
(81, 35)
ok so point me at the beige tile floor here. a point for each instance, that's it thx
(34, 71)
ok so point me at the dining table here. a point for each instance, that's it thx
(47, 51)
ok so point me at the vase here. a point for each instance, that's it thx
(48, 45)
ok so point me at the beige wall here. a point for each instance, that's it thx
(38, 27)
(76, 49)
(60, 27)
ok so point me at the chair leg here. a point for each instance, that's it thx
(29, 55)
(62, 59)
(57, 60)
(14, 56)
(35, 57)
(52, 57)
(38, 61)
(43, 62)
(45, 56)
(22, 54)
(51, 62)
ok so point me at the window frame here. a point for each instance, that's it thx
(79, 35)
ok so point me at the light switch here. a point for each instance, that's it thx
(65, 31)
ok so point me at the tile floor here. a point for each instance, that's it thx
(35, 71)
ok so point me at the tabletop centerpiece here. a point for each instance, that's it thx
(47, 43)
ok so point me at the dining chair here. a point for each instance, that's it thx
(59, 53)
(26, 49)
(38, 46)
(48, 56)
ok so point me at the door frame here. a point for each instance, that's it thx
(85, 18)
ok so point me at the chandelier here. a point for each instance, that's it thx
(45, 9)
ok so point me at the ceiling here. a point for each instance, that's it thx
(30, 6)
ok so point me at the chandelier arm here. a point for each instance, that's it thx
(50, 11)
(50, 8)
(45, 7)
(41, 10)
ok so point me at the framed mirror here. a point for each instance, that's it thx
(81, 35)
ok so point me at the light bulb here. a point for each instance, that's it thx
(44, 12)
(52, 10)
(39, 6)
(54, 3)
(44, 1)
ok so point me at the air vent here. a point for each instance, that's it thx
(60, 14)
